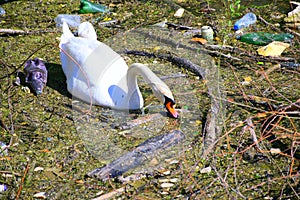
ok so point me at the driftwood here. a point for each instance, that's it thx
(181, 62)
(144, 152)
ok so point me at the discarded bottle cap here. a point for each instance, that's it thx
(72, 20)
(207, 33)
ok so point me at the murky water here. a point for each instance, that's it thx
(100, 133)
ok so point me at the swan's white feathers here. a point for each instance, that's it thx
(97, 73)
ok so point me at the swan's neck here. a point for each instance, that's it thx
(134, 94)
(134, 99)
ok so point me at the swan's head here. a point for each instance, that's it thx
(86, 30)
(164, 94)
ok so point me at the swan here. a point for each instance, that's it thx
(95, 73)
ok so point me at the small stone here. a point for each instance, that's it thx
(174, 162)
(275, 150)
(166, 185)
(40, 195)
(166, 172)
(164, 193)
(163, 180)
(179, 13)
(174, 180)
(38, 169)
(26, 89)
(154, 162)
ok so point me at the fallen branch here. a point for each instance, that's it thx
(21, 32)
(144, 152)
(182, 62)
(22, 180)
(268, 23)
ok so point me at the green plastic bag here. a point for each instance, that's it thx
(262, 38)
(89, 7)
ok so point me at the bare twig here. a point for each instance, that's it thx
(293, 32)
(4, 31)
(267, 23)
(251, 128)
(22, 181)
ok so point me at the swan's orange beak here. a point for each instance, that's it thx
(170, 106)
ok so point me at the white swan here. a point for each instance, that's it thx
(97, 73)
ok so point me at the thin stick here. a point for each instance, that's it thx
(22, 181)
(21, 32)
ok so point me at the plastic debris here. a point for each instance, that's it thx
(72, 20)
(290, 65)
(179, 13)
(89, 7)
(200, 40)
(205, 170)
(161, 24)
(245, 21)
(246, 80)
(36, 74)
(3, 149)
(17, 81)
(2, 11)
(3, 188)
(207, 33)
(273, 49)
(261, 38)
(108, 23)
(293, 17)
